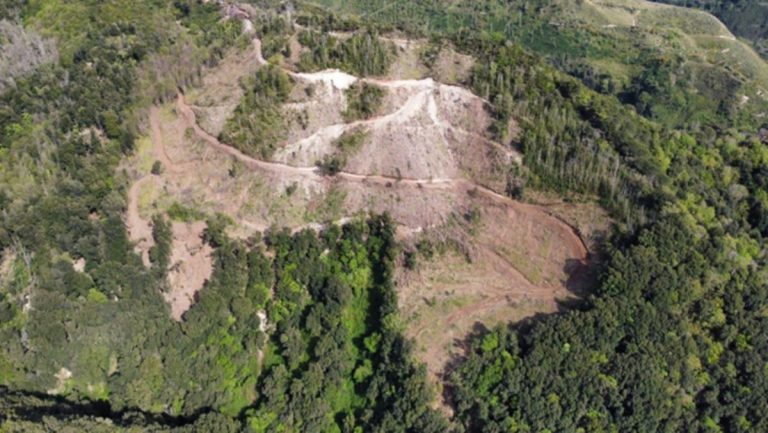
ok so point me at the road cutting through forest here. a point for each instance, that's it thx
(421, 101)
(138, 227)
(575, 242)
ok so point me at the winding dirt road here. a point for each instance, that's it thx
(141, 231)
(575, 243)
(422, 101)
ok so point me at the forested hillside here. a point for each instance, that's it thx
(746, 18)
(300, 330)
(678, 66)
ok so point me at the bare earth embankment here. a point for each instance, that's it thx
(426, 159)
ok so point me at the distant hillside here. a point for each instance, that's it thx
(675, 65)
(746, 18)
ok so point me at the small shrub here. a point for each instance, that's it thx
(410, 260)
(179, 212)
(157, 168)
(330, 165)
(290, 189)
(363, 101)
(426, 248)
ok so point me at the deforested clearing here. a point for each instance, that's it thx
(424, 156)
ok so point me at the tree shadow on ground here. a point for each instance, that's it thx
(36, 406)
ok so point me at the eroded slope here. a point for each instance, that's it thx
(424, 157)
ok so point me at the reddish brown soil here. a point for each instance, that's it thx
(427, 161)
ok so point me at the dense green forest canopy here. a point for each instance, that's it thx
(673, 338)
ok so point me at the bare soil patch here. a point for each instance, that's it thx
(139, 229)
(7, 258)
(516, 261)
(408, 64)
(452, 67)
(426, 160)
(191, 266)
(424, 129)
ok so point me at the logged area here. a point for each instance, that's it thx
(512, 263)
(386, 216)
(422, 155)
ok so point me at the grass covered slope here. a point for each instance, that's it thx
(747, 19)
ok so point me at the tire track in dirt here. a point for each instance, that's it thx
(422, 101)
(527, 290)
(531, 294)
(571, 236)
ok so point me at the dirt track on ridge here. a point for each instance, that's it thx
(575, 242)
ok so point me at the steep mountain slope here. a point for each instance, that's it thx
(424, 156)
